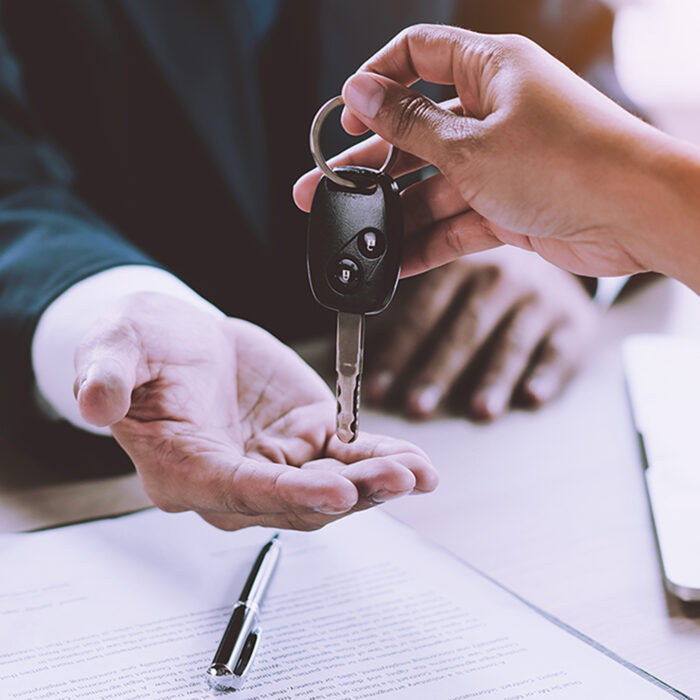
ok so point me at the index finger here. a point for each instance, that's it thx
(370, 153)
(424, 51)
(428, 52)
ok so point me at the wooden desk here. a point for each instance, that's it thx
(552, 504)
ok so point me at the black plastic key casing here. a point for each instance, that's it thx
(353, 253)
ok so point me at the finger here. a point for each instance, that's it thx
(409, 120)
(487, 302)
(305, 522)
(370, 153)
(509, 360)
(354, 126)
(106, 363)
(412, 319)
(369, 446)
(557, 359)
(447, 240)
(377, 479)
(351, 123)
(216, 482)
(430, 201)
(431, 52)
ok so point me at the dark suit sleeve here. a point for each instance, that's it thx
(49, 240)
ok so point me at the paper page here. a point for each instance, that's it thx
(135, 607)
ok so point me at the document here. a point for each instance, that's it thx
(134, 607)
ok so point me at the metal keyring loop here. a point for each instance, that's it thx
(315, 145)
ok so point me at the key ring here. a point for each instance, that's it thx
(315, 145)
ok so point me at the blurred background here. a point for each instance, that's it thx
(657, 58)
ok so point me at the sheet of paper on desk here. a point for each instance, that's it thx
(134, 608)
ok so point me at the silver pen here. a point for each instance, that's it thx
(237, 648)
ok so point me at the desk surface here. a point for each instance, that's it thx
(552, 504)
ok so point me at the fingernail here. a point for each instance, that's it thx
(364, 95)
(495, 404)
(538, 390)
(378, 385)
(331, 510)
(425, 401)
(489, 406)
(78, 385)
(384, 496)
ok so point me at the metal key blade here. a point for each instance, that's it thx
(349, 349)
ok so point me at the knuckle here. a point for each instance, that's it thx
(412, 108)
(453, 239)
(509, 48)
(485, 279)
(517, 43)
(421, 32)
(515, 347)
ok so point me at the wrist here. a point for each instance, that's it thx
(68, 318)
(666, 227)
(681, 238)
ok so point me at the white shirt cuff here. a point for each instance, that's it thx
(66, 320)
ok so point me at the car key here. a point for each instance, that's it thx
(353, 261)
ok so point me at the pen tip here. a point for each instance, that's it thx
(276, 536)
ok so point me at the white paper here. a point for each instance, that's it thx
(134, 608)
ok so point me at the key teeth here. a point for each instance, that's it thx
(347, 433)
(344, 435)
(348, 363)
(355, 426)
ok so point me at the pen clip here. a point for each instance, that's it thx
(223, 676)
(247, 653)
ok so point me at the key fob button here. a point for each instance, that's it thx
(371, 243)
(345, 275)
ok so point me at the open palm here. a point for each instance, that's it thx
(220, 417)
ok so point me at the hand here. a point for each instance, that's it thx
(221, 418)
(529, 154)
(517, 326)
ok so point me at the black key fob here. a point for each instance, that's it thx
(354, 242)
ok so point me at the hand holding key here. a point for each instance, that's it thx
(353, 260)
(529, 154)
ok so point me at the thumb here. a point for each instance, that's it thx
(402, 116)
(105, 363)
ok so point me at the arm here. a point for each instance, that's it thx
(216, 415)
(70, 316)
(502, 328)
(49, 239)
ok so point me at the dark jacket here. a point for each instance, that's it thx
(169, 132)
